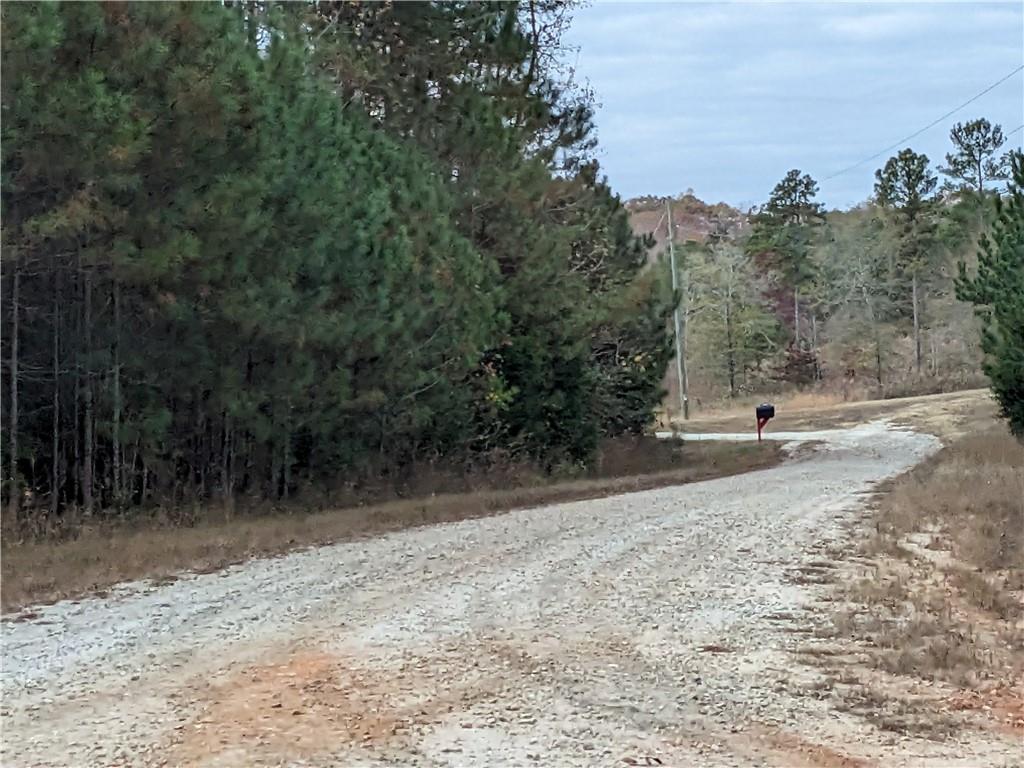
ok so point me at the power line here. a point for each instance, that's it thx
(1015, 130)
(932, 124)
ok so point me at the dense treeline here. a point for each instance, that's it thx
(863, 301)
(249, 250)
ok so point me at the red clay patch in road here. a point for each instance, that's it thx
(308, 704)
(798, 752)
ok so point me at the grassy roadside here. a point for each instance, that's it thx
(945, 415)
(96, 559)
(930, 610)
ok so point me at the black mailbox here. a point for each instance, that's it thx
(765, 411)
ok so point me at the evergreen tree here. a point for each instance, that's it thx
(630, 343)
(997, 292)
(905, 186)
(975, 161)
(478, 87)
(253, 285)
(249, 249)
(783, 236)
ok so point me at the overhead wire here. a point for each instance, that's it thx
(932, 124)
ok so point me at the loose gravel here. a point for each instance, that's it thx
(648, 628)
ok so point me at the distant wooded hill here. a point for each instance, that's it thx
(823, 303)
(692, 218)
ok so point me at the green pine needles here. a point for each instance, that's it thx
(997, 292)
(258, 249)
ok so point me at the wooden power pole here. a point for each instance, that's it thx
(684, 398)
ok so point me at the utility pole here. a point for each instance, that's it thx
(684, 398)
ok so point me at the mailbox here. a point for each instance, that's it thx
(764, 412)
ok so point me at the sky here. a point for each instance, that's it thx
(726, 97)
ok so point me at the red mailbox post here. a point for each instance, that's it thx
(764, 411)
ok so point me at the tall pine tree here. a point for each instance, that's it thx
(997, 292)
(905, 186)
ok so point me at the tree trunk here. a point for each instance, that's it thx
(75, 472)
(874, 333)
(275, 473)
(55, 449)
(14, 498)
(730, 350)
(117, 395)
(917, 325)
(225, 464)
(286, 457)
(131, 473)
(796, 317)
(814, 347)
(248, 467)
(87, 459)
(198, 463)
(286, 470)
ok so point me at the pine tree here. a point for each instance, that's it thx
(997, 292)
(254, 247)
(975, 161)
(476, 86)
(255, 281)
(905, 186)
(782, 240)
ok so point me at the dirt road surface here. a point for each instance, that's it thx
(655, 628)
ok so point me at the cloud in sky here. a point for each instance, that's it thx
(726, 97)
(874, 26)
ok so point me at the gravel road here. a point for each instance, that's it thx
(650, 628)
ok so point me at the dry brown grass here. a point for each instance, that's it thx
(826, 395)
(970, 495)
(99, 557)
(942, 599)
(949, 416)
